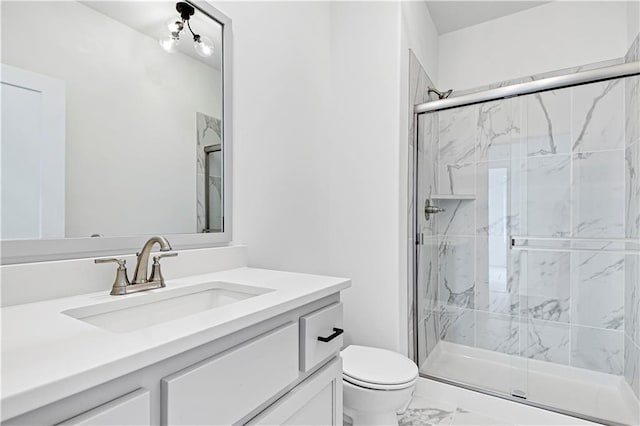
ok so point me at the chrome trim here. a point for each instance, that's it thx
(413, 243)
(520, 400)
(575, 250)
(522, 243)
(549, 83)
(213, 148)
(142, 265)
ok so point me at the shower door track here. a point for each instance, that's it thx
(519, 89)
(521, 400)
(542, 85)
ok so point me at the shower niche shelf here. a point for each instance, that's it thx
(453, 197)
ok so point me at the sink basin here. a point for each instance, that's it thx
(142, 310)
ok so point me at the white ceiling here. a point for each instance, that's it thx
(452, 15)
(151, 18)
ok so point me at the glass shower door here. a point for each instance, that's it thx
(528, 262)
(466, 277)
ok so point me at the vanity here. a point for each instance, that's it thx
(233, 346)
(118, 129)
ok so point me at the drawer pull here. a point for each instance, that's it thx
(336, 333)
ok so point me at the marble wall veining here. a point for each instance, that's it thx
(560, 165)
(631, 144)
(419, 82)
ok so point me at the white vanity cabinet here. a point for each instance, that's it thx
(131, 409)
(281, 370)
(316, 401)
(222, 390)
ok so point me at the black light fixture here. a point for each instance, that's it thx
(202, 44)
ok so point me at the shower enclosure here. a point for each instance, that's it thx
(527, 284)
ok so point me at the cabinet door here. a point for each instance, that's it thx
(224, 389)
(131, 409)
(316, 401)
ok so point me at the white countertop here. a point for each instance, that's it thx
(47, 355)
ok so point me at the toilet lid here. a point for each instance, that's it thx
(377, 366)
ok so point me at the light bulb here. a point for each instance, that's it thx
(175, 25)
(203, 45)
(170, 44)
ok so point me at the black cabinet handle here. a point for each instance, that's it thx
(336, 333)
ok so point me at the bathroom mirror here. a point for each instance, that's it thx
(115, 126)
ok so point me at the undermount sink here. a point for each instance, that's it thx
(156, 307)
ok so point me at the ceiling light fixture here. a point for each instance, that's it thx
(202, 44)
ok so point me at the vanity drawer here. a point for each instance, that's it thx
(223, 389)
(131, 409)
(320, 335)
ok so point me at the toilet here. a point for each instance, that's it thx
(377, 384)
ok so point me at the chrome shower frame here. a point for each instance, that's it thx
(520, 89)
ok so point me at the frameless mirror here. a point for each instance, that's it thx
(113, 119)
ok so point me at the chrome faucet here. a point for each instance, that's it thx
(140, 275)
(141, 281)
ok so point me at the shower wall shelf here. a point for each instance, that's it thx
(453, 197)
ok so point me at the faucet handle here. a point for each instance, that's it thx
(156, 272)
(156, 258)
(120, 262)
(122, 280)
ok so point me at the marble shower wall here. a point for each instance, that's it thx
(558, 165)
(419, 82)
(209, 132)
(632, 225)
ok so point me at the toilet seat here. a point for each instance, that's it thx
(379, 369)
(377, 386)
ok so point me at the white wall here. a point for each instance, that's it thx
(317, 156)
(633, 20)
(281, 131)
(553, 36)
(364, 219)
(130, 116)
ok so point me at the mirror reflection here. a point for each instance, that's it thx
(111, 119)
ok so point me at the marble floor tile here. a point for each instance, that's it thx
(424, 411)
(463, 417)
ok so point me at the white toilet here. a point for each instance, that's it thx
(378, 384)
